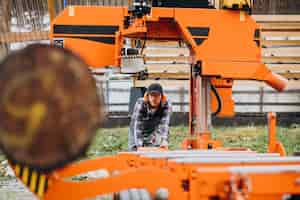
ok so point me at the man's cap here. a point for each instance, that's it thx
(155, 87)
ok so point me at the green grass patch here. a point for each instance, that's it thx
(111, 141)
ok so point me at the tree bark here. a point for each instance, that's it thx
(50, 107)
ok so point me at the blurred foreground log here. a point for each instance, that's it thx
(49, 107)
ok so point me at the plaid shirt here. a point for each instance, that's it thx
(159, 121)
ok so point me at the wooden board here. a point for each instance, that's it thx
(165, 75)
(163, 43)
(170, 59)
(164, 83)
(280, 26)
(279, 68)
(281, 33)
(181, 71)
(167, 51)
(270, 43)
(170, 52)
(185, 59)
(168, 68)
(291, 75)
(281, 59)
(276, 18)
(281, 51)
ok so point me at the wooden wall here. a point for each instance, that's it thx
(276, 7)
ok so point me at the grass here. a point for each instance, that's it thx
(110, 141)
(113, 140)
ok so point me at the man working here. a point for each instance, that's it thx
(150, 120)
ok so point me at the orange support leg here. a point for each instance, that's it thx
(274, 145)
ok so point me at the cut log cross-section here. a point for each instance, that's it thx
(50, 107)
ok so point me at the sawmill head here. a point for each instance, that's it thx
(50, 107)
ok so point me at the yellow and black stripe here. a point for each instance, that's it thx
(105, 34)
(35, 181)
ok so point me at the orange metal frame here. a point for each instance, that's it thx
(225, 42)
(224, 46)
(204, 180)
(274, 145)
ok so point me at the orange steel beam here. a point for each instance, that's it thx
(186, 174)
(134, 178)
(274, 146)
(205, 179)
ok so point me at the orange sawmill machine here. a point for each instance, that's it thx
(225, 45)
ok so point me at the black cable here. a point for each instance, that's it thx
(144, 44)
(219, 100)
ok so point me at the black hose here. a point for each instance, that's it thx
(143, 47)
(219, 100)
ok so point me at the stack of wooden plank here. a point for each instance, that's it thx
(169, 62)
(280, 42)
